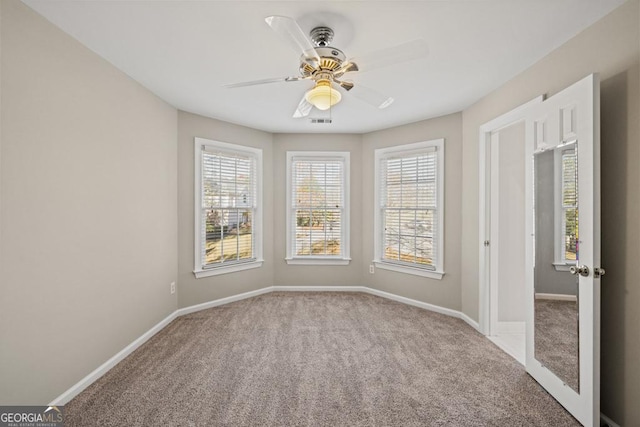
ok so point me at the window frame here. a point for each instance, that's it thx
(199, 270)
(345, 257)
(408, 150)
(560, 263)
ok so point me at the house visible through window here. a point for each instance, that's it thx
(227, 211)
(318, 207)
(409, 210)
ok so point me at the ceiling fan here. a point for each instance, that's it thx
(326, 65)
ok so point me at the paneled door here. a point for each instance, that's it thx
(563, 271)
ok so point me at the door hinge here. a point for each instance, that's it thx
(486, 243)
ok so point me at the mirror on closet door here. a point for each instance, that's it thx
(556, 252)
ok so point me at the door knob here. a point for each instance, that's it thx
(582, 270)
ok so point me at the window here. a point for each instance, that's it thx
(566, 202)
(227, 208)
(317, 207)
(409, 219)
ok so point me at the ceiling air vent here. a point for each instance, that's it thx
(320, 120)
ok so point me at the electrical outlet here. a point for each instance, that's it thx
(173, 287)
(371, 270)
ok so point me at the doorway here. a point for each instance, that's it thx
(506, 247)
(502, 221)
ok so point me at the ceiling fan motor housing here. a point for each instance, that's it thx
(331, 59)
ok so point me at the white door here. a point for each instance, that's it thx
(562, 253)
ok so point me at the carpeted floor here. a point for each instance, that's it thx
(556, 339)
(316, 359)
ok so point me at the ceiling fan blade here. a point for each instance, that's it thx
(392, 55)
(290, 31)
(346, 85)
(371, 96)
(346, 68)
(265, 81)
(303, 109)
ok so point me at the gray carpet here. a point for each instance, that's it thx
(316, 359)
(556, 339)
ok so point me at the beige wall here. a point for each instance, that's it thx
(193, 291)
(510, 218)
(88, 209)
(611, 48)
(82, 144)
(305, 275)
(445, 292)
(620, 105)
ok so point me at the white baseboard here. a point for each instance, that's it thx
(383, 294)
(222, 301)
(319, 288)
(511, 347)
(413, 302)
(106, 366)
(424, 305)
(475, 325)
(510, 328)
(608, 420)
(557, 297)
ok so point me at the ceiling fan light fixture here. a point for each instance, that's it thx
(323, 96)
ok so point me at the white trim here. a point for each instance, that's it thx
(433, 274)
(413, 302)
(493, 194)
(345, 220)
(608, 420)
(505, 120)
(475, 325)
(506, 346)
(382, 294)
(424, 305)
(78, 387)
(318, 288)
(556, 297)
(224, 269)
(510, 328)
(199, 145)
(222, 301)
(318, 261)
(381, 153)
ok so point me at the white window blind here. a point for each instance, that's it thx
(228, 207)
(318, 206)
(409, 221)
(228, 204)
(569, 212)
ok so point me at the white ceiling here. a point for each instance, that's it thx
(185, 51)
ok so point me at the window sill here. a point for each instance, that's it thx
(214, 271)
(318, 261)
(563, 266)
(409, 270)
